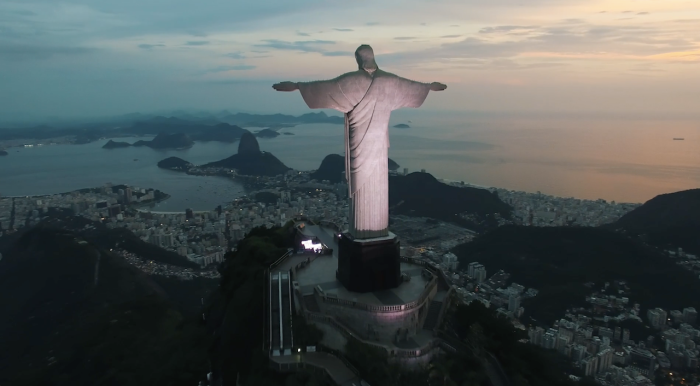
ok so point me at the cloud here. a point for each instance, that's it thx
(198, 34)
(36, 52)
(238, 67)
(450, 36)
(197, 43)
(338, 53)
(642, 13)
(301, 46)
(372, 23)
(235, 55)
(505, 28)
(405, 38)
(559, 40)
(150, 46)
(344, 29)
(302, 34)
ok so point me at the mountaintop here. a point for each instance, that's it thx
(250, 160)
(667, 221)
(558, 261)
(421, 194)
(248, 145)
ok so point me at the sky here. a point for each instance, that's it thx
(105, 57)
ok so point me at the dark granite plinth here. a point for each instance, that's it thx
(369, 265)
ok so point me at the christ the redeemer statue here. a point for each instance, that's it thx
(367, 97)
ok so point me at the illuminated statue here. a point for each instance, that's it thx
(367, 97)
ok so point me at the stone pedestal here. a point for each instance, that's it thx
(368, 265)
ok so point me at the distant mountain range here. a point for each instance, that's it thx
(161, 141)
(223, 126)
(667, 221)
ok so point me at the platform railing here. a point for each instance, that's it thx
(331, 299)
(348, 333)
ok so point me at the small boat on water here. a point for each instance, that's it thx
(678, 139)
(136, 159)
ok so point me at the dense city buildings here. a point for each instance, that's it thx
(597, 344)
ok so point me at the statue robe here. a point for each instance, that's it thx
(367, 101)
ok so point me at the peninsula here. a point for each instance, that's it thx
(175, 163)
(168, 141)
(250, 160)
(267, 133)
(115, 144)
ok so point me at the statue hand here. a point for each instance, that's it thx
(285, 86)
(435, 86)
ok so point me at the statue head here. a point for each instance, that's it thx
(365, 58)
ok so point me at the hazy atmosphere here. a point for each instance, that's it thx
(350, 193)
(540, 56)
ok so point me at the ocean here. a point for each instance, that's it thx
(620, 160)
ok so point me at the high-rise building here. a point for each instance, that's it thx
(676, 316)
(643, 359)
(127, 195)
(690, 316)
(450, 260)
(618, 333)
(549, 340)
(625, 335)
(536, 335)
(480, 274)
(590, 366)
(405, 171)
(513, 302)
(470, 268)
(657, 317)
(605, 332)
(578, 353)
(605, 358)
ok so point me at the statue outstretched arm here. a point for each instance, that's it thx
(436, 86)
(410, 93)
(286, 86)
(325, 94)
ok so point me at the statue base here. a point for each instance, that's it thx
(368, 265)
